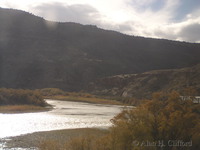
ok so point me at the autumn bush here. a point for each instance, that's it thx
(155, 123)
(20, 97)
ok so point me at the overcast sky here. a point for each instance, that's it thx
(168, 19)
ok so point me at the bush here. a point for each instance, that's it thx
(19, 96)
(51, 92)
(163, 119)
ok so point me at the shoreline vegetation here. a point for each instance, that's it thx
(164, 118)
(57, 94)
(21, 101)
(11, 109)
(26, 101)
(93, 100)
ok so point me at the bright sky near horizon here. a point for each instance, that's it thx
(169, 19)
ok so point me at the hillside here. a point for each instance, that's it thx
(142, 85)
(35, 53)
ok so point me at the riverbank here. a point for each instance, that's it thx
(21, 101)
(65, 115)
(92, 100)
(11, 109)
(35, 140)
(58, 94)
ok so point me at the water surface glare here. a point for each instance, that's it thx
(65, 115)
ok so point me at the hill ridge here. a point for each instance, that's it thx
(71, 55)
(143, 85)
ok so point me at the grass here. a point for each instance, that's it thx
(22, 108)
(94, 100)
(45, 139)
(58, 94)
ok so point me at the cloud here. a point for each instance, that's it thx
(163, 24)
(147, 21)
(190, 32)
(149, 18)
(126, 27)
(188, 29)
(80, 13)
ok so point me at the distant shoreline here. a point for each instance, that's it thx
(92, 100)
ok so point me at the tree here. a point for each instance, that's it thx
(161, 123)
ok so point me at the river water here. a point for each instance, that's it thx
(65, 115)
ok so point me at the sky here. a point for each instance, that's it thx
(165, 19)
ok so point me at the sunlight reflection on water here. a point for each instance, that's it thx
(65, 115)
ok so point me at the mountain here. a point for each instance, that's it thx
(35, 53)
(142, 85)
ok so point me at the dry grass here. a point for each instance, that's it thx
(54, 93)
(21, 108)
(94, 100)
(85, 140)
(55, 140)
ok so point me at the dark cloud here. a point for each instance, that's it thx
(84, 14)
(165, 34)
(125, 27)
(190, 33)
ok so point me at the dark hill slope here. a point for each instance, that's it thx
(142, 85)
(35, 53)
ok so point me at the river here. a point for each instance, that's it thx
(65, 115)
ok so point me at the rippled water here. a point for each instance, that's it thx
(65, 115)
